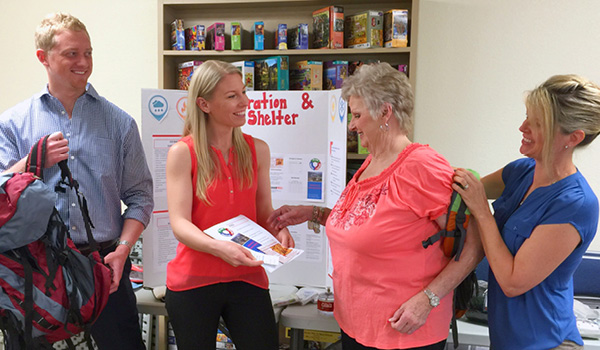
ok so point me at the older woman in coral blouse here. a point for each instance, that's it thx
(390, 292)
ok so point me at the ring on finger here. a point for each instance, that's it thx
(466, 186)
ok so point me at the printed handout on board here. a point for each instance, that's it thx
(298, 177)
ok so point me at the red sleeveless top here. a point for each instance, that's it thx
(191, 268)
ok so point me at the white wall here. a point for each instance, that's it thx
(123, 35)
(476, 58)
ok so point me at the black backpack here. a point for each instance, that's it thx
(49, 290)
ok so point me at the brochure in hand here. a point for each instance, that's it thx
(253, 237)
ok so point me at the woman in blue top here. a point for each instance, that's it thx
(545, 217)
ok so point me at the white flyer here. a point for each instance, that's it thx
(252, 236)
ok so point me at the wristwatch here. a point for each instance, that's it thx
(434, 300)
(126, 243)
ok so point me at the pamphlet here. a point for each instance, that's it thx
(252, 236)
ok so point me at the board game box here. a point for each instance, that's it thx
(328, 28)
(306, 75)
(247, 69)
(364, 30)
(395, 25)
(215, 39)
(272, 73)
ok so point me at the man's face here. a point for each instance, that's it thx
(69, 62)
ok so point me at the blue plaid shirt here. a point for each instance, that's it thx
(105, 156)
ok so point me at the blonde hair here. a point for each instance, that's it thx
(51, 25)
(379, 83)
(566, 103)
(203, 84)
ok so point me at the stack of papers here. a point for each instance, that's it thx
(261, 243)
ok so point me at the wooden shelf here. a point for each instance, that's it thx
(272, 12)
(309, 52)
(350, 155)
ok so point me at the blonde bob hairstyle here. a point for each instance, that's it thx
(379, 83)
(566, 103)
(51, 25)
(203, 84)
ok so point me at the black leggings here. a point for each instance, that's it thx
(349, 343)
(246, 309)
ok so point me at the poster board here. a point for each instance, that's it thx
(306, 133)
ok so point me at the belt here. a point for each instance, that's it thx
(86, 250)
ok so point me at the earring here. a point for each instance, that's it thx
(384, 127)
(566, 146)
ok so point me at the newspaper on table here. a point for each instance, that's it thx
(252, 236)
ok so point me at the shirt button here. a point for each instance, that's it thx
(229, 177)
(73, 228)
(73, 204)
(68, 134)
(231, 191)
(62, 112)
(72, 157)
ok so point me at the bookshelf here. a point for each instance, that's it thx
(273, 12)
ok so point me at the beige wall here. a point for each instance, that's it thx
(475, 60)
(123, 37)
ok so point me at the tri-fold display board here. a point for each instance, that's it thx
(306, 133)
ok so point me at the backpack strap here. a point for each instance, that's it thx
(454, 327)
(36, 159)
(68, 180)
(450, 223)
(461, 224)
(28, 296)
(457, 221)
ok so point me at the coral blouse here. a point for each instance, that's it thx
(375, 232)
(191, 268)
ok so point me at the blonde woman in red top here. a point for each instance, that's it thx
(390, 292)
(214, 173)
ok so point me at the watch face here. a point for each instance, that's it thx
(434, 301)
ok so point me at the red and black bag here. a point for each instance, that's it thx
(50, 291)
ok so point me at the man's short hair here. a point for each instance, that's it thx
(51, 25)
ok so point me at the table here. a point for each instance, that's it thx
(148, 304)
(301, 317)
(298, 318)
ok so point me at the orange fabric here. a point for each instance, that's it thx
(190, 268)
(375, 232)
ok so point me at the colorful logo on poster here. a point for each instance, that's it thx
(158, 107)
(224, 231)
(315, 164)
(342, 109)
(182, 107)
(332, 108)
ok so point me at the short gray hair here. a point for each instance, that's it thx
(379, 83)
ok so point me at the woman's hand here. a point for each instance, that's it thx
(472, 192)
(289, 215)
(285, 238)
(235, 255)
(412, 314)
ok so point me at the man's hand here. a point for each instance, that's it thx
(116, 260)
(57, 149)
